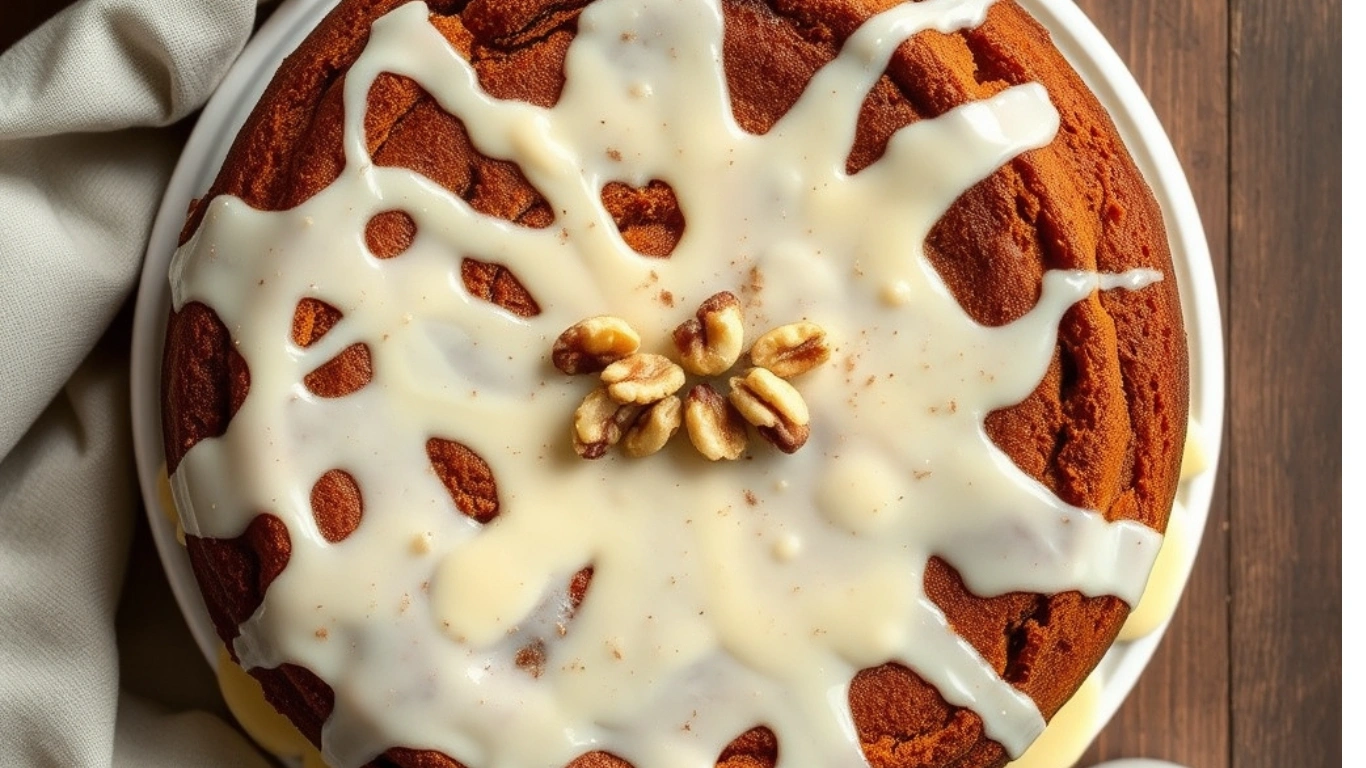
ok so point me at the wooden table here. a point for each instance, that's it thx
(1249, 675)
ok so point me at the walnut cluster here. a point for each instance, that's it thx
(637, 405)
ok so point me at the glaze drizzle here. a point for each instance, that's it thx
(723, 597)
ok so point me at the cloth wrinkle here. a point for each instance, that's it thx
(141, 41)
(85, 154)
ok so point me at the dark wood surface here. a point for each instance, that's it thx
(1249, 675)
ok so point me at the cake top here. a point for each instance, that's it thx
(723, 595)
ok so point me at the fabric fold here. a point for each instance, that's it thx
(87, 144)
(105, 65)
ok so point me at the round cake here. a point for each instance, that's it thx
(674, 383)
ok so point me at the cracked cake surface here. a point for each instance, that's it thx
(1092, 419)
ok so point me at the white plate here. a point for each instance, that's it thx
(1074, 35)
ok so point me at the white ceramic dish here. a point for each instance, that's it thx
(1074, 35)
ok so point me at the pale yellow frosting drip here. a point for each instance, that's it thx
(168, 507)
(1163, 592)
(268, 728)
(1069, 733)
(707, 614)
(1164, 584)
(1194, 460)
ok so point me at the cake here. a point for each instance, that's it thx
(374, 390)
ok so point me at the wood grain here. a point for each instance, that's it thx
(1271, 647)
(1177, 51)
(1285, 396)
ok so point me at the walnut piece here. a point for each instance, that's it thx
(773, 406)
(642, 378)
(593, 344)
(791, 350)
(709, 344)
(652, 428)
(637, 405)
(598, 423)
(716, 429)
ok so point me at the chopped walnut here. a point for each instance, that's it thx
(716, 429)
(593, 344)
(652, 428)
(773, 406)
(642, 379)
(598, 423)
(791, 350)
(637, 405)
(710, 343)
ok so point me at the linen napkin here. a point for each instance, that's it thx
(91, 110)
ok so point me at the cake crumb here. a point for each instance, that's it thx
(614, 154)
(531, 659)
(666, 298)
(321, 633)
(750, 498)
(754, 284)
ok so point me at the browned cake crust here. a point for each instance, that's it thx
(1103, 430)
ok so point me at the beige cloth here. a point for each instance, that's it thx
(91, 673)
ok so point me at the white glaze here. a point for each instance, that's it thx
(706, 615)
